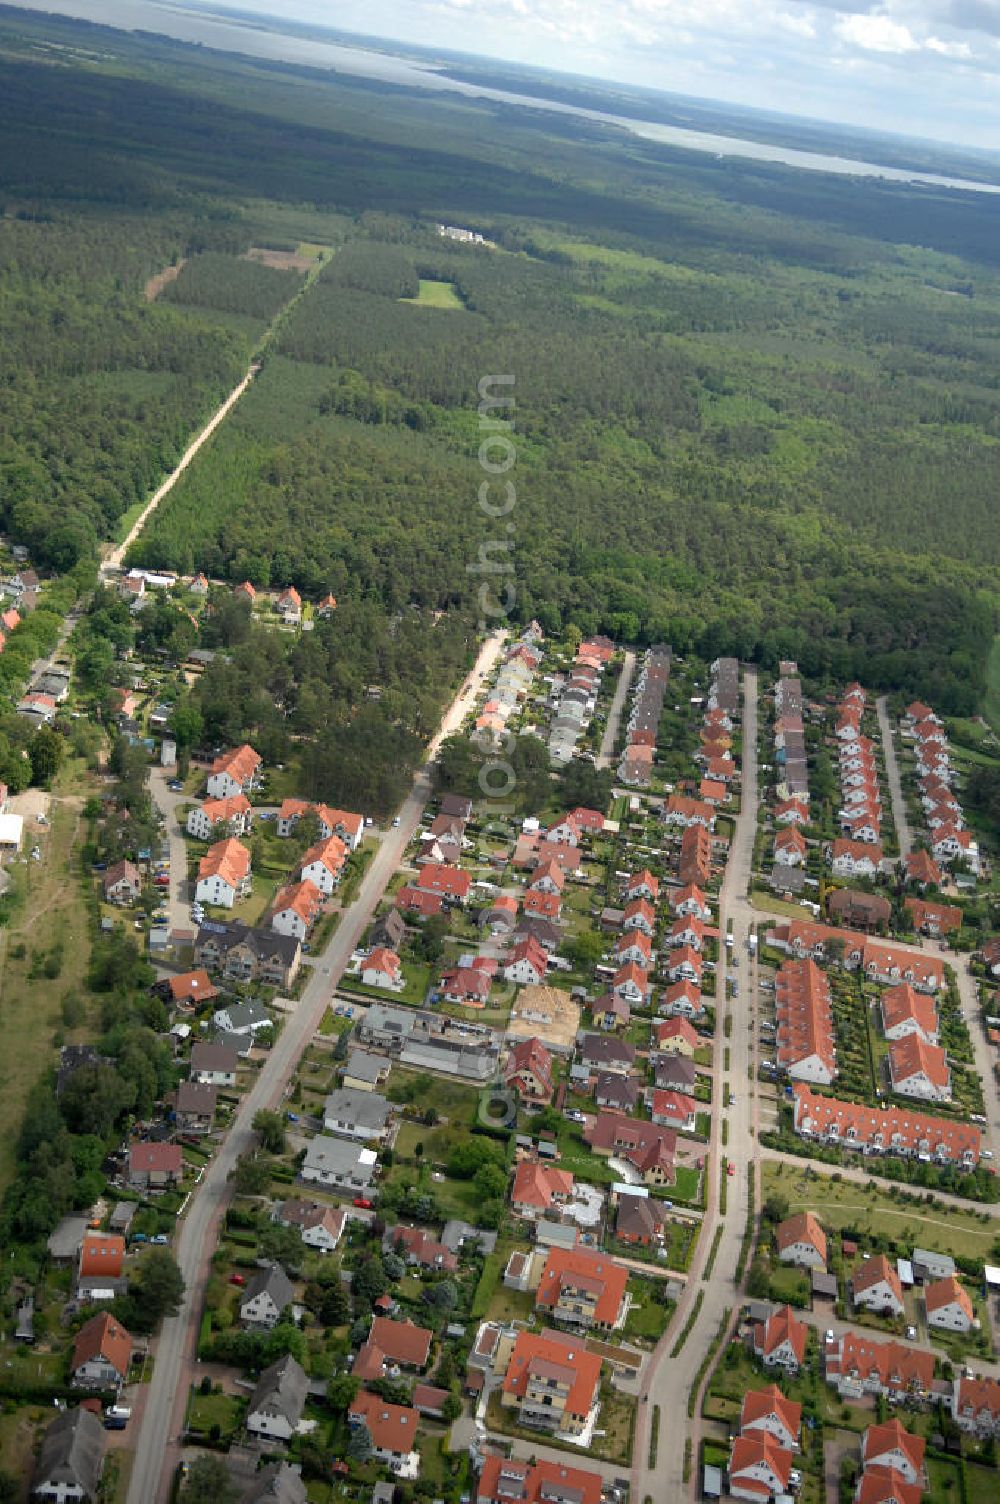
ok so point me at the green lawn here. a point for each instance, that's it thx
(223, 1410)
(434, 294)
(845, 1203)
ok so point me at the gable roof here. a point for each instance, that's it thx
(944, 1292)
(393, 1428)
(780, 1327)
(890, 1436)
(803, 1227)
(103, 1337)
(564, 1357)
(876, 1271)
(761, 1403)
(226, 859)
(241, 763)
(538, 1185)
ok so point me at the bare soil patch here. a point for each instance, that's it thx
(283, 261)
(156, 284)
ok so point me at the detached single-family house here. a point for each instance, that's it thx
(948, 1305)
(801, 1241)
(278, 1401)
(356, 1114)
(392, 1428)
(101, 1354)
(289, 606)
(780, 1341)
(295, 909)
(195, 1107)
(875, 1285)
(269, 1293)
(382, 968)
(122, 883)
(154, 1166)
(71, 1457)
(320, 1227)
(339, 1163)
(235, 772)
(529, 1071)
(224, 874)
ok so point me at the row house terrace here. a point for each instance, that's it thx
(886, 1130)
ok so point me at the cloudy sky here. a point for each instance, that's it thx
(926, 68)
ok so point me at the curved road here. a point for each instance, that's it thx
(157, 1453)
(667, 1381)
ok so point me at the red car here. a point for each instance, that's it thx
(730, 1168)
(364, 1202)
(237, 1279)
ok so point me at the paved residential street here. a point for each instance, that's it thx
(606, 753)
(895, 785)
(157, 1452)
(669, 1380)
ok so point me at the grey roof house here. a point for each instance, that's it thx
(277, 1403)
(356, 1114)
(338, 1163)
(69, 1464)
(265, 1297)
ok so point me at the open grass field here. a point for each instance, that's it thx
(49, 927)
(845, 1203)
(434, 294)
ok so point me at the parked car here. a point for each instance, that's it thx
(364, 1203)
(237, 1279)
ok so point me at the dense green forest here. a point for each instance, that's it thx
(756, 409)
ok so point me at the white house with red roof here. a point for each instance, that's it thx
(643, 885)
(224, 874)
(382, 968)
(633, 945)
(639, 915)
(631, 983)
(780, 1341)
(767, 1412)
(682, 999)
(759, 1468)
(235, 772)
(790, 847)
(875, 1286)
(801, 1241)
(975, 1406)
(528, 964)
(690, 900)
(537, 1188)
(296, 909)
(323, 864)
(891, 1445)
(684, 965)
(918, 1069)
(529, 1071)
(905, 1011)
(289, 606)
(948, 1305)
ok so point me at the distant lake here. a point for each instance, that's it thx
(237, 35)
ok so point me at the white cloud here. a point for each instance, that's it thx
(948, 49)
(876, 33)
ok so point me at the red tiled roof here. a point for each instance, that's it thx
(942, 1292)
(567, 1268)
(892, 1436)
(912, 1055)
(752, 1451)
(876, 1271)
(226, 859)
(564, 1356)
(801, 1228)
(538, 1185)
(103, 1337)
(240, 763)
(503, 1480)
(781, 1326)
(804, 1015)
(902, 1130)
(758, 1404)
(393, 1428)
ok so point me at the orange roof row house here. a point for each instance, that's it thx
(885, 1130)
